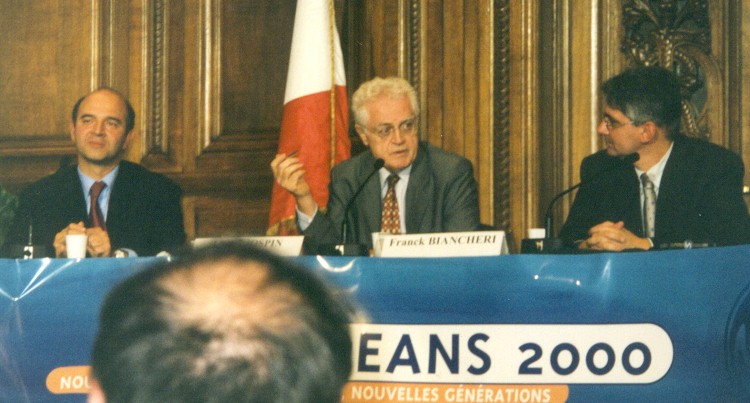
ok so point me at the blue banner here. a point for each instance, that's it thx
(656, 326)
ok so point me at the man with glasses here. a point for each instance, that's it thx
(434, 190)
(680, 191)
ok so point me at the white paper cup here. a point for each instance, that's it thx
(75, 245)
(536, 233)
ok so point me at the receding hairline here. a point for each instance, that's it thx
(129, 119)
(118, 94)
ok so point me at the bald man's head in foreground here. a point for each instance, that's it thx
(224, 323)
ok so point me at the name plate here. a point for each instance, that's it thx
(443, 244)
(280, 245)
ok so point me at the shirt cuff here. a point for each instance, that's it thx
(304, 220)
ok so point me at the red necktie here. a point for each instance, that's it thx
(390, 222)
(96, 216)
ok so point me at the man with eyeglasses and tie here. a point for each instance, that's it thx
(680, 191)
(419, 189)
(123, 208)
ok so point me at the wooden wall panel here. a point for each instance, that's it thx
(254, 57)
(241, 61)
(433, 67)
(157, 77)
(523, 93)
(44, 67)
(466, 111)
(508, 84)
(48, 63)
(233, 218)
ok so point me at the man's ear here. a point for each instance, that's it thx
(72, 132)
(96, 394)
(128, 139)
(649, 132)
(362, 135)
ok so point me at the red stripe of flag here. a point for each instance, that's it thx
(306, 120)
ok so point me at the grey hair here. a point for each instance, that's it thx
(392, 87)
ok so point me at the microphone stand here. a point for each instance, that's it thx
(28, 249)
(347, 248)
(551, 243)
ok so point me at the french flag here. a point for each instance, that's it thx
(315, 120)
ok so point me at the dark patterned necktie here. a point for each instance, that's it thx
(95, 214)
(649, 206)
(391, 222)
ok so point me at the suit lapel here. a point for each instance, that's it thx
(369, 202)
(118, 198)
(71, 196)
(623, 199)
(674, 182)
(629, 200)
(419, 192)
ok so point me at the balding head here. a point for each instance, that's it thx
(229, 323)
(129, 111)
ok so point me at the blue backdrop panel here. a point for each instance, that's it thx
(700, 298)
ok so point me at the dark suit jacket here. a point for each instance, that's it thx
(441, 196)
(700, 197)
(144, 211)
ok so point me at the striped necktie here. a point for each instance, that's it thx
(649, 206)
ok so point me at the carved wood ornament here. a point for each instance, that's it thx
(676, 34)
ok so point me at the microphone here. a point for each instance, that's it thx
(22, 245)
(345, 224)
(345, 248)
(28, 249)
(551, 242)
(627, 160)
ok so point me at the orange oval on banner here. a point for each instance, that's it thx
(69, 380)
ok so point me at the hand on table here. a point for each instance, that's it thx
(611, 236)
(98, 244)
(59, 242)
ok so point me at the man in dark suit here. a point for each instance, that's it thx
(697, 185)
(139, 210)
(435, 189)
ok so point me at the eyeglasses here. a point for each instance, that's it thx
(407, 128)
(613, 124)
